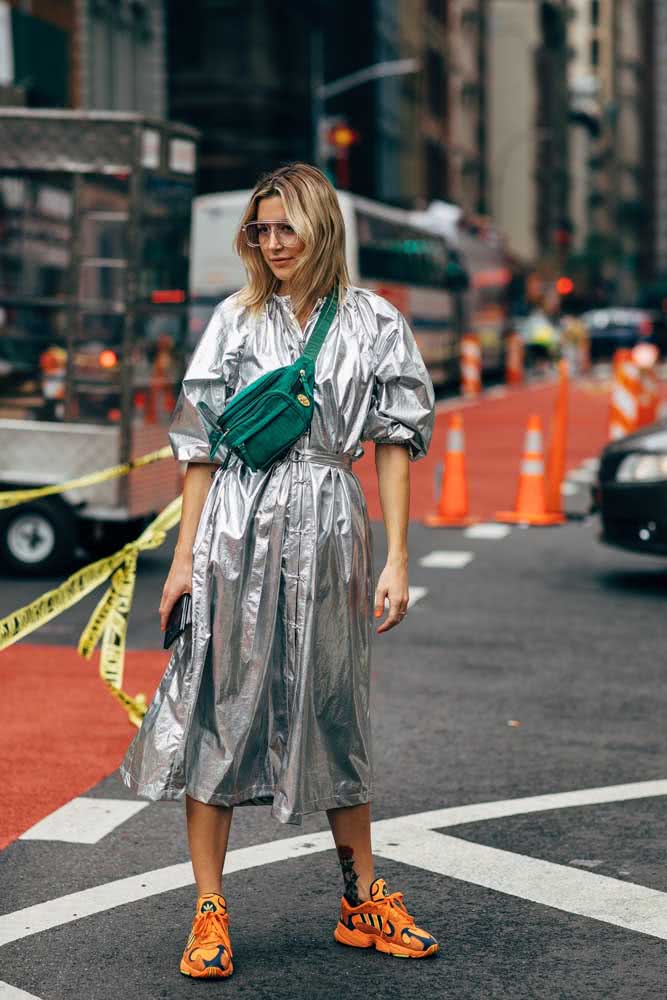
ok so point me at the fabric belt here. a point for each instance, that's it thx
(321, 457)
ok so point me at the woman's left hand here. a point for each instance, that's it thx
(393, 586)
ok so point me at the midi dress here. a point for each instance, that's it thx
(266, 698)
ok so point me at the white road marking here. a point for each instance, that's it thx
(456, 815)
(387, 836)
(84, 820)
(63, 910)
(416, 594)
(623, 904)
(8, 992)
(447, 560)
(491, 531)
(569, 489)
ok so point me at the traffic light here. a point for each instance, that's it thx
(565, 286)
(341, 136)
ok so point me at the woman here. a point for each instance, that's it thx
(267, 699)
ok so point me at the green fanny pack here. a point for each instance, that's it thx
(261, 422)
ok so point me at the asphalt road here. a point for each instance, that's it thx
(544, 629)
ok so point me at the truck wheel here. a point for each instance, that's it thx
(37, 538)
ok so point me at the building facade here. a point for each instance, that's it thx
(511, 122)
(122, 55)
(91, 54)
(467, 28)
(610, 59)
(38, 53)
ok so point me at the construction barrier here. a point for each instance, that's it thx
(514, 359)
(649, 397)
(12, 498)
(584, 354)
(107, 625)
(557, 454)
(625, 392)
(452, 511)
(471, 365)
(531, 504)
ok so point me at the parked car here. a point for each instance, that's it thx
(631, 492)
(609, 329)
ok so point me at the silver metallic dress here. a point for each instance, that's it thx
(267, 699)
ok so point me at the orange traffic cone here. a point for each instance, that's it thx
(452, 509)
(514, 358)
(556, 459)
(471, 365)
(531, 504)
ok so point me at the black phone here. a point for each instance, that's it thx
(180, 617)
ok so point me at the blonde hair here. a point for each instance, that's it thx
(312, 209)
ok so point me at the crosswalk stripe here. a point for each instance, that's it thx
(489, 531)
(84, 820)
(8, 992)
(623, 904)
(416, 594)
(387, 835)
(447, 560)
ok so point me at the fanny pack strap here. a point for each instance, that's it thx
(323, 325)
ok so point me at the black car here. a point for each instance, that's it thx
(609, 329)
(631, 493)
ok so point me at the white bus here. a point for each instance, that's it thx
(484, 257)
(386, 251)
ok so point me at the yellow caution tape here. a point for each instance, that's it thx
(14, 497)
(108, 622)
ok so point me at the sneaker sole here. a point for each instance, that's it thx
(213, 974)
(355, 939)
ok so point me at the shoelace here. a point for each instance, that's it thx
(210, 927)
(395, 902)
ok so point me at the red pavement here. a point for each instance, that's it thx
(61, 732)
(494, 434)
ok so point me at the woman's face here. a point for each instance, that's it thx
(279, 251)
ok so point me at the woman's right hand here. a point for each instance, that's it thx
(179, 581)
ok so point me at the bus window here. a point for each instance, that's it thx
(393, 251)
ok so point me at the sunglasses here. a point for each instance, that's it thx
(258, 234)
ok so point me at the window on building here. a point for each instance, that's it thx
(595, 12)
(436, 171)
(435, 76)
(120, 64)
(595, 52)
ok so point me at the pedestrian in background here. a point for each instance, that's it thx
(266, 698)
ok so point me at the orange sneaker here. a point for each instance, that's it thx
(383, 923)
(209, 950)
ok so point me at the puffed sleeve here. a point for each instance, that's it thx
(402, 409)
(206, 380)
